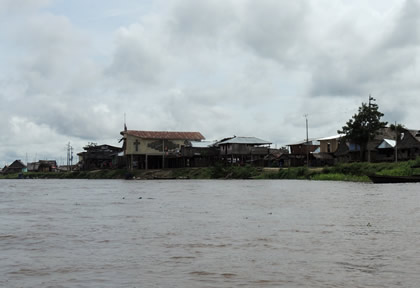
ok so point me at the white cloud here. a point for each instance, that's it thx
(243, 67)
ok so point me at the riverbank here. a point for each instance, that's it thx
(356, 172)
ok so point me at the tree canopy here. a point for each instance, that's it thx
(364, 125)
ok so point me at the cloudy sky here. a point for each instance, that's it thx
(71, 69)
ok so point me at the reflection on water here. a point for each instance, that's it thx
(88, 233)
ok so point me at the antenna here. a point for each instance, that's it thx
(125, 122)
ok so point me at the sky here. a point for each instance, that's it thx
(71, 70)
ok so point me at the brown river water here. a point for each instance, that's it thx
(208, 233)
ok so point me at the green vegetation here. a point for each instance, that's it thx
(356, 172)
(340, 177)
(96, 174)
(220, 171)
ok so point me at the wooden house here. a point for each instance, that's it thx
(325, 154)
(16, 167)
(386, 150)
(43, 166)
(99, 156)
(242, 150)
(199, 153)
(155, 149)
(408, 144)
(301, 151)
(329, 144)
(349, 151)
(303, 147)
(277, 158)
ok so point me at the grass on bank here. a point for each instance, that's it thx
(357, 172)
(96, 174)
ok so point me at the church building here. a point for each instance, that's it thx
(155, 149)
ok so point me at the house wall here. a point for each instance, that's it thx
(324, 145)
(242, 149)
(408, 142)
(150, 146)
(302, 149)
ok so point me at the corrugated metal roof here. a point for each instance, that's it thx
(202, 144)
(165, 135)
(386, 144)
(310, 142)
(338, 136)
(244, 140)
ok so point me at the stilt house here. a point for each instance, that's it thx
(243, 150)
(155, 149)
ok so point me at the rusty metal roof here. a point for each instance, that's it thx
(169, 135)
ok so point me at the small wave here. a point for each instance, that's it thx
(228, 275)
(202, 245)
(30, 272)
(202, 273)
(182, 257)
(370, 268)
(8, 236)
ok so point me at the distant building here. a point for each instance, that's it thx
(99, 156)
(304, 146)
(329, 144)
(277, 158)
(155, 149)
(348, 151)
(386, 150)
(408, 145)
(324, 155)
(301, 151)
(43, 166)
(243, 150)
(16, 167)
(199, 153)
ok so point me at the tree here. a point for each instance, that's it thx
(364, 126)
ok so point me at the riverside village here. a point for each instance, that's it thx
(364, 138)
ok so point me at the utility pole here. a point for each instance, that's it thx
(69, 157)
(307, 142)
(163, 153)
(396, 142)
(370, 105)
